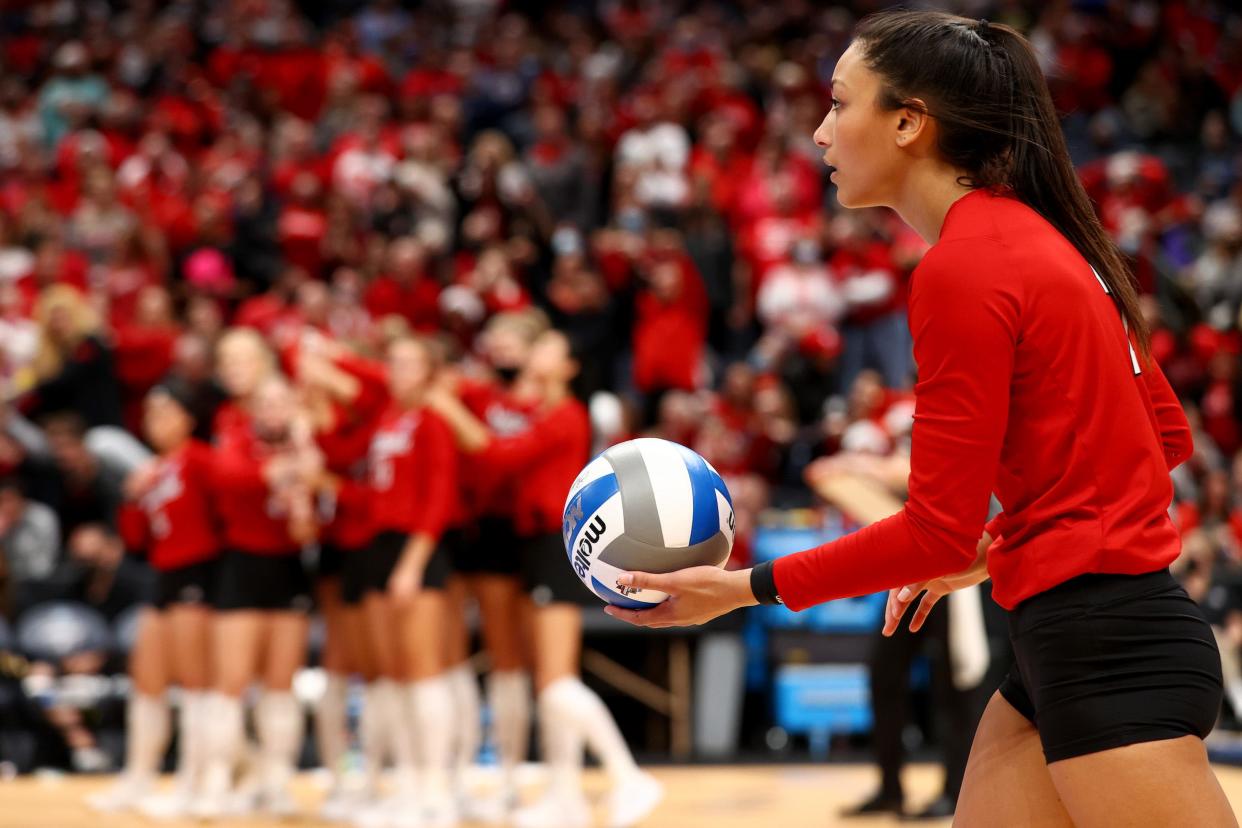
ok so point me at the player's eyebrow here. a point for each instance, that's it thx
(836, 81)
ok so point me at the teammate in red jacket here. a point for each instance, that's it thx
(1034, 383)
(168, 514)
(482, 543)
(262, 482)
(343, 395)
(402, 576)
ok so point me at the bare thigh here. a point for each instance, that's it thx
(423, 628)
(335, 656)
(356, 641)
(456, 633)
(558, 642)
(1167, 782)
(381, 618)
(148, 668)
(237, 644)
(188, 644)
(285, 652)
(500, 599)
(1007, 782)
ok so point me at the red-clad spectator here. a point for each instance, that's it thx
(406, 289)
(144, 350)
(780, 183)
(720, 162)
(54, 264)
(274, 312)
(134, 267)
(670, 327)
(294, 155)
(303, 224)
(768, 240)
(493, 280)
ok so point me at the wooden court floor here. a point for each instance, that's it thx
(697, 797)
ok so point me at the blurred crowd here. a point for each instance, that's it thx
(640, 173)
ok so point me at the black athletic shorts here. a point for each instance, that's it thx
(1103, 661)
(250, 581)
(191, 584)
(547, 574)
(331, 561)
(487, 546)
(368, 570)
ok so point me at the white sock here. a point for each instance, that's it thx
(192, 725)
(331, 724)
(398, 723)
(432, 707)
(508, 695)
(599, 729)
(146, 726)
(223, 740)
(469, 730)
(278, 720)
(561, 738)
(373, 732)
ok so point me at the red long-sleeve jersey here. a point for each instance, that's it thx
(413, 469)
(544, 460)
(345, 446)
(1027, 387)
(173, 520)
(488, 491)
(251, 518)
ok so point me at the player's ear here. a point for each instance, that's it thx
(913, 122)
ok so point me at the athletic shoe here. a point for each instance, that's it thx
(121, 795)
(633, 800)
(564, 811)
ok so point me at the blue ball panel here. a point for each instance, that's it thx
(584, 504)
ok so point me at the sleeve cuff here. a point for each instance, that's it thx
(763, 583)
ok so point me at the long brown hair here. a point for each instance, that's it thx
(982, 83)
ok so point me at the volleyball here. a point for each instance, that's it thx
(645, 505)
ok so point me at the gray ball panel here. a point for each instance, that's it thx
(629, 553)
(642, 518)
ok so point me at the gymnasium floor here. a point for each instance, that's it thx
(710, 797)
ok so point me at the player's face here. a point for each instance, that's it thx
(409, 369)
(506, 350)
(240, 365)
(275, 406)
(550, 360)
(165, 422)
(860, 139)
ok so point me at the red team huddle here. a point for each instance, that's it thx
(421, 487)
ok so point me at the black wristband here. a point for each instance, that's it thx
(763, 583)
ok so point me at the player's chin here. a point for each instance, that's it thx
(849, 198)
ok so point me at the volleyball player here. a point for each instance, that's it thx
(262, 479)
(243, 361)
(487, 564)
(167, 513)
(544, 460)
(344, 396)
(402, 577)
(1035, 381)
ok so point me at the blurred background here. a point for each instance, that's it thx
(643, 173)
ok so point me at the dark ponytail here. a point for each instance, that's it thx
(983, 85)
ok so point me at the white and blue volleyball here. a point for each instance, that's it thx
(645, 505)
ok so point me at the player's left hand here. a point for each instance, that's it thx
(405, 582)
(695, 596)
